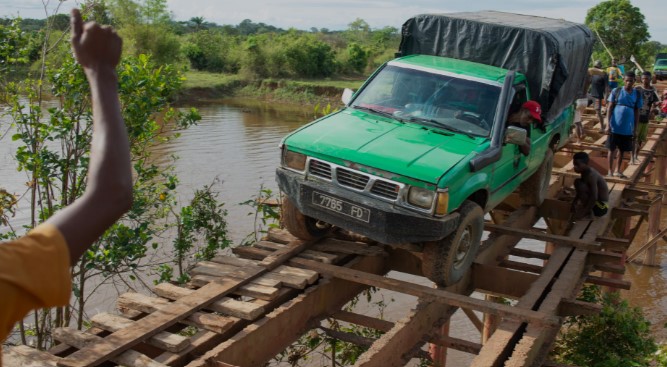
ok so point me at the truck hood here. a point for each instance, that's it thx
(406, 149)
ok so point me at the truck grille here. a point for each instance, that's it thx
(385, 189)
(355, 180)
(320, 169)
(351, 179)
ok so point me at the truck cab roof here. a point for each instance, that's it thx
(467, 69)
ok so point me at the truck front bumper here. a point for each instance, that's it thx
(374, 218)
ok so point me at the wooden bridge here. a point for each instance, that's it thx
(243, 310)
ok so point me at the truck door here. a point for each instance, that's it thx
(512, 162)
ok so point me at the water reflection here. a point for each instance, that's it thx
(237, 143)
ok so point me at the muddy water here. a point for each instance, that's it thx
(237, 142)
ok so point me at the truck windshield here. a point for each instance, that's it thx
(444, 101)
(661, 63)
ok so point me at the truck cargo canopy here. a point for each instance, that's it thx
(553, 54)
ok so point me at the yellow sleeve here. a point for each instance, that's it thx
(34, 273)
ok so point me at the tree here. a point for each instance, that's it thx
(621, 27)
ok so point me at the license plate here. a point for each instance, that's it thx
(342, 207)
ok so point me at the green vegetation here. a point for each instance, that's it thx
(618, 336)
(621, 27)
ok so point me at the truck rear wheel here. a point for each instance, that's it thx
(445, 261)
(534, 189)
(301, 226)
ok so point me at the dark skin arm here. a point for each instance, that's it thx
(109, 187)
(592, 186)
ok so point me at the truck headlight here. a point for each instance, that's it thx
(442, 204)
(421, 197)
(294, 160)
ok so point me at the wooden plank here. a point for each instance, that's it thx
(307, 254)
(425, 293)
(501, 281)
(253, 290)
(529, 254)
(24, 356)
(479, 325)
(556, 209)
(392, 349)
(521, 266)
(80, 339)
(608, 282)
(288, 280)
(309, 275)
(649, 243)
(162, 340)
(150, 325)
(363, 320)
(146, 304)
(542, 236)
(243, 310)
(285, 324)
(349, 248)
(204, 340)
(573, 307)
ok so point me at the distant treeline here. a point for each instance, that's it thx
(252, 49)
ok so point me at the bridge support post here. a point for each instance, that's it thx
(654, 215)
(439, 353)
(490, 321)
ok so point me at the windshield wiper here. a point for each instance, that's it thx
(378, 112)
(442, 125)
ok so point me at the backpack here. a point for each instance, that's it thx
(617, 91)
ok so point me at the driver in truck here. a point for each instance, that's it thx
(529, 114)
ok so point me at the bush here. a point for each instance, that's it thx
(307, 56)
(619, 336)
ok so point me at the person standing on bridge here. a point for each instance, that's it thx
(35, 269)
(624, 105)
(592, 192)
(598, 80)
(650, 97)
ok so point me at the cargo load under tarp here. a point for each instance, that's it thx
(553, 54)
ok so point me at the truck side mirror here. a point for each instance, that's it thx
(515, 135)
(347, 96)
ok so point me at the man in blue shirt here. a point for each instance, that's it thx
(624, 105)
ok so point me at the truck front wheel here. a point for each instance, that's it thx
(445, 261)
(301, 226)
(534, 189)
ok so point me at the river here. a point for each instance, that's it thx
(237, 142)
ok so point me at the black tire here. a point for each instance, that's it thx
(534, 189)
(299, 225)
(446, 261)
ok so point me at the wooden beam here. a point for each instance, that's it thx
(556, 209)
(501, 281)
(80, 339)
(285, 324)
(529, 254)
(25, 356)
(394, 347)
(477, 323)
(649, 243)
(608, 282)
(573, 307)
(363, 320)
(542, 236)
(154, 323)
(521, 266)
(426, 293)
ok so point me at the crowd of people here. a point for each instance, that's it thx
(628, 111)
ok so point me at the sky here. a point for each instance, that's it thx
(336, 15)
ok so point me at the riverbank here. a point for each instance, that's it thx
(204, 87)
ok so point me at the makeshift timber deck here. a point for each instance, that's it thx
(244, 310)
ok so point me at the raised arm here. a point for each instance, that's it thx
(109, 188)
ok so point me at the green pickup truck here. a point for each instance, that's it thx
(422, 151)
(660, 66)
